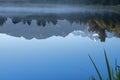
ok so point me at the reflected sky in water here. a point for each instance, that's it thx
(57, 48)
(53, 58)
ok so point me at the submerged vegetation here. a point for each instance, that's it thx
(111, 75)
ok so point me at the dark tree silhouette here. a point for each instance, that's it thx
(16, 20)
(2, 20)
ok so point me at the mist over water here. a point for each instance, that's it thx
(65, 9)
(46, 9)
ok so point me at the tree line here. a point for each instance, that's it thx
(101, 2)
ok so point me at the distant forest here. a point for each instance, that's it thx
(102, 2)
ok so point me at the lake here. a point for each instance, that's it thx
(53, 42)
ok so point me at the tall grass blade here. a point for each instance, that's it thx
(113, 77)
(108, 67)
(116, 70)
(100, 77)
(118, 75)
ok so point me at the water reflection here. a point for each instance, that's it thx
(93, 25)
(57, 58)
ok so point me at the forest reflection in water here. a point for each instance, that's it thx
(97, 24)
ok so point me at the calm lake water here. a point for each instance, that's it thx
(54, 43)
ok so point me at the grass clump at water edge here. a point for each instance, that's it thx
(111, 75)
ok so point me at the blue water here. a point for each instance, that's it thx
(54, 58)
(53, 51)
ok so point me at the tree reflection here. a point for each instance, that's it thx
(2, 20)
(41, 23)
(16, 20)
(98, 23)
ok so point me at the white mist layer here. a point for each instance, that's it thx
(44, 9)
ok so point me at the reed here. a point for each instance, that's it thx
(110, 71)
